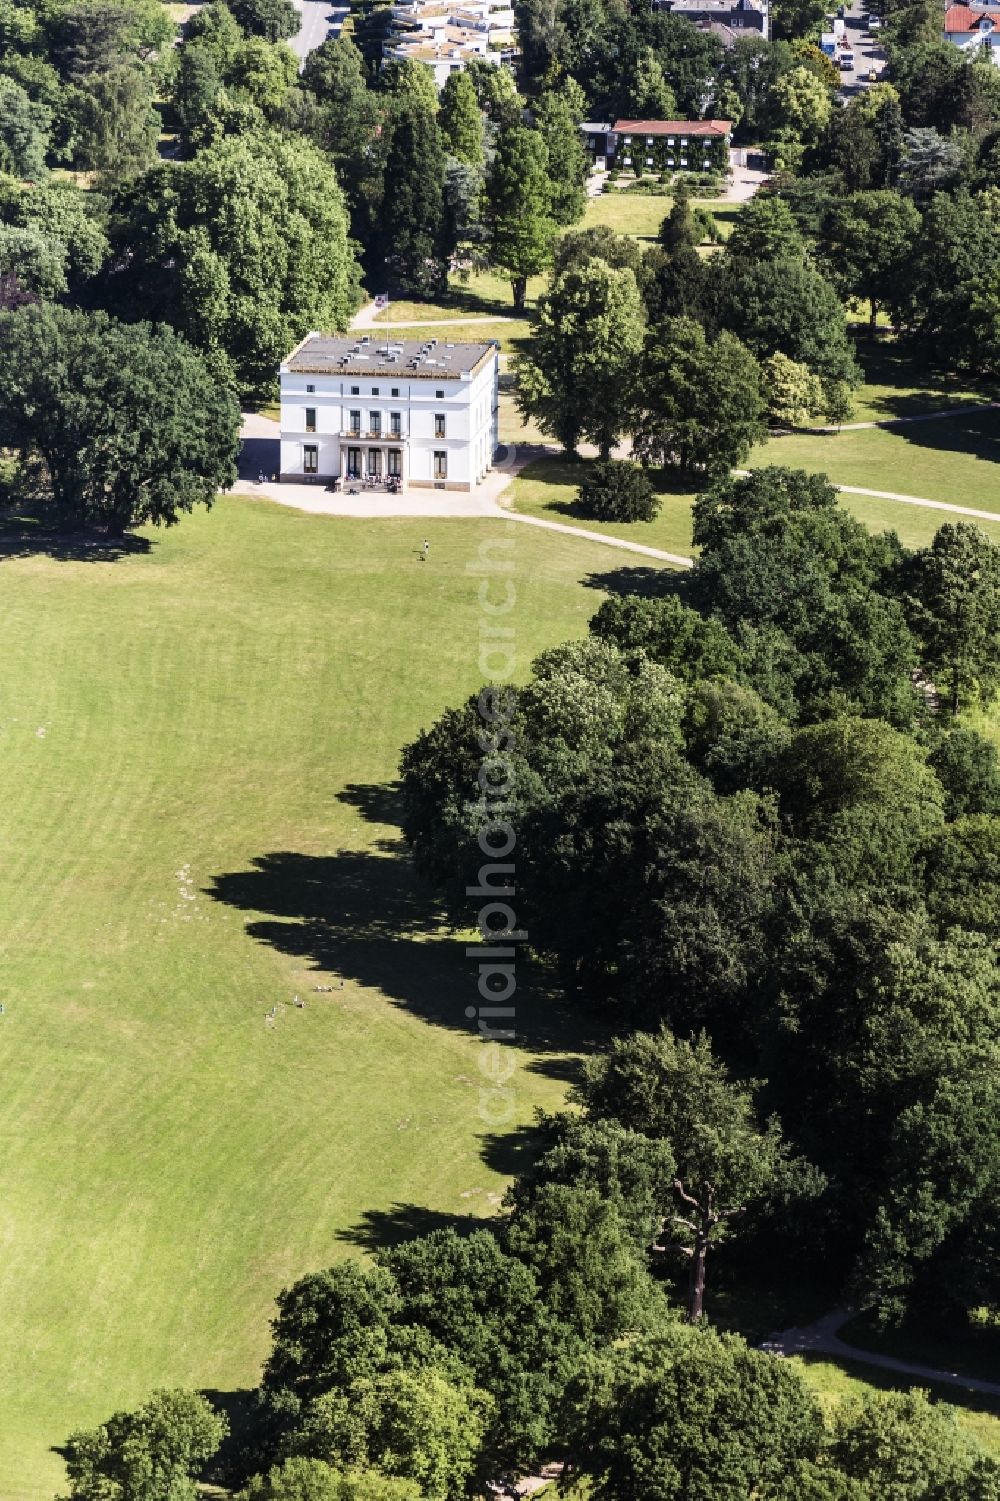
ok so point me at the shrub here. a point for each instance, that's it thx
(618, 491)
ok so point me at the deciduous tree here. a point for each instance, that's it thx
(956, 594)
(152, 1454)
(243, 250)
(702, 407)
(577, 377)
(132, 425)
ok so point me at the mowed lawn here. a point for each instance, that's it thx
(954, 459)
(195, 827)
(549, 488)
(641, 214)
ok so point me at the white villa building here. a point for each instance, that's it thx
(389, 413)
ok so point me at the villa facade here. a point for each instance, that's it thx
(389, 414)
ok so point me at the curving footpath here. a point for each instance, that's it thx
(822, 1338)
(260, 435)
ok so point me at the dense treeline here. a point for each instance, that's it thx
(751, 808)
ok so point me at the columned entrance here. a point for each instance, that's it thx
(375, 467)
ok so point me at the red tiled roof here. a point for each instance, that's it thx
(673, 127)
(964, 18)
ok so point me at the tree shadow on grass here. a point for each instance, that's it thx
(365, 916)
(378, 1229)
(650, 583)
(240, 1408)
(359, 915)
(973, 433)
(27, 532)
(511, 1153)
(377, 802)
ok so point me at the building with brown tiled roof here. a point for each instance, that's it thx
(974, 28)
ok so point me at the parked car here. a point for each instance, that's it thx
(874, 23)
(845, 62)
(872, 76)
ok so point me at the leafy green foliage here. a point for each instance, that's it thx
(955, 590)
(151, 1454)
(274, 20)
(129, 420)
(242, 250)
(415, 1425)
(24, 130)
(667, 1421)
(520, 214)
(812, 631)
(313, 1480)
(577, 378)
(701, 400)
(618, 491)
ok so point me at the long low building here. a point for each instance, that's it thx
(390, 413)
(645, 146)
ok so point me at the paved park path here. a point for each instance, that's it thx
(319, 19)
(677, 559)
(260, 444)
(822, 1338)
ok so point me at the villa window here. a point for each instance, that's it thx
(375, 423)
(440, 464)
(439, 396)
(355, 390)
(310, 419)
(355, 422)
(439, 425)
(394, 391)
(310, 390)
(310, 458)
(395, 424)
(395, 463)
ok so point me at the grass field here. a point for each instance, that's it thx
(894, 387)
(196, 826)
(956, 459)
(482, 294)
(549, 488)
(641, 214)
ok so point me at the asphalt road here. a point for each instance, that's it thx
(868, 53)
(320, 19)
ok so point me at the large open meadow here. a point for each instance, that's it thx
(197, 824)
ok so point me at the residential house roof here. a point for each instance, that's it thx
(959, 18)
(673, 127)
